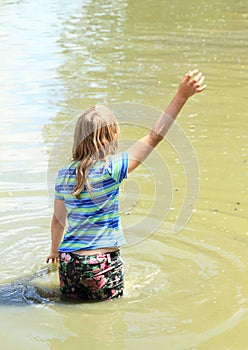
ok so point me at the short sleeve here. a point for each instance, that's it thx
(118, 166)
(57, 190)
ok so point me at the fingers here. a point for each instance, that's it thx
(193, 72)
(54, 260)
(201, 88)
(190, 74)
(197, 81)
(195, 76)
(200, 80)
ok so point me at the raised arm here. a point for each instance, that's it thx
(191, 83)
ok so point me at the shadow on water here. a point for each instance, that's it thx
(27, 291)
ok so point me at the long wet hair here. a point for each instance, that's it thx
(95, 137)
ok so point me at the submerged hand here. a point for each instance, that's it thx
(54, 257)
(191, 83)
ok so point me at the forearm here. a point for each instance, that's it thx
(141, 149)
(175, 105)
(167, 118)
(57, 233)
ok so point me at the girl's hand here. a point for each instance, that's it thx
(54, 257)
(191, 83)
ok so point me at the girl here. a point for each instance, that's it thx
(87, 194)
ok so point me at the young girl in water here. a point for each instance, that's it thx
(87, 194)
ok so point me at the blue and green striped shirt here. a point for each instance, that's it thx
(93, 221)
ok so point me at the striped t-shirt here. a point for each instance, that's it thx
(93, 221)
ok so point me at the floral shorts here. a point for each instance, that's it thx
(93, 277)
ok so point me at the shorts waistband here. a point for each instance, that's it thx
(107, 255)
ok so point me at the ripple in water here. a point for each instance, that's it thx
(175, 282)
(38, 288)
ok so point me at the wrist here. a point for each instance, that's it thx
(54, 250)
(182, 97)
(176, 105)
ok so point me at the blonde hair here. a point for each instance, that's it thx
(95, 137)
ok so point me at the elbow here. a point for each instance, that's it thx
(155, 138)
(58, 221)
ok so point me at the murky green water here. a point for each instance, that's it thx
(183, 291)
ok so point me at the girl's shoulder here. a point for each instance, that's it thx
(67, 169)
(117, 157)
(117, 166)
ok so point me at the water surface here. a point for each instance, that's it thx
(183, 291)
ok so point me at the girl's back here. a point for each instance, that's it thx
(93, 218)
